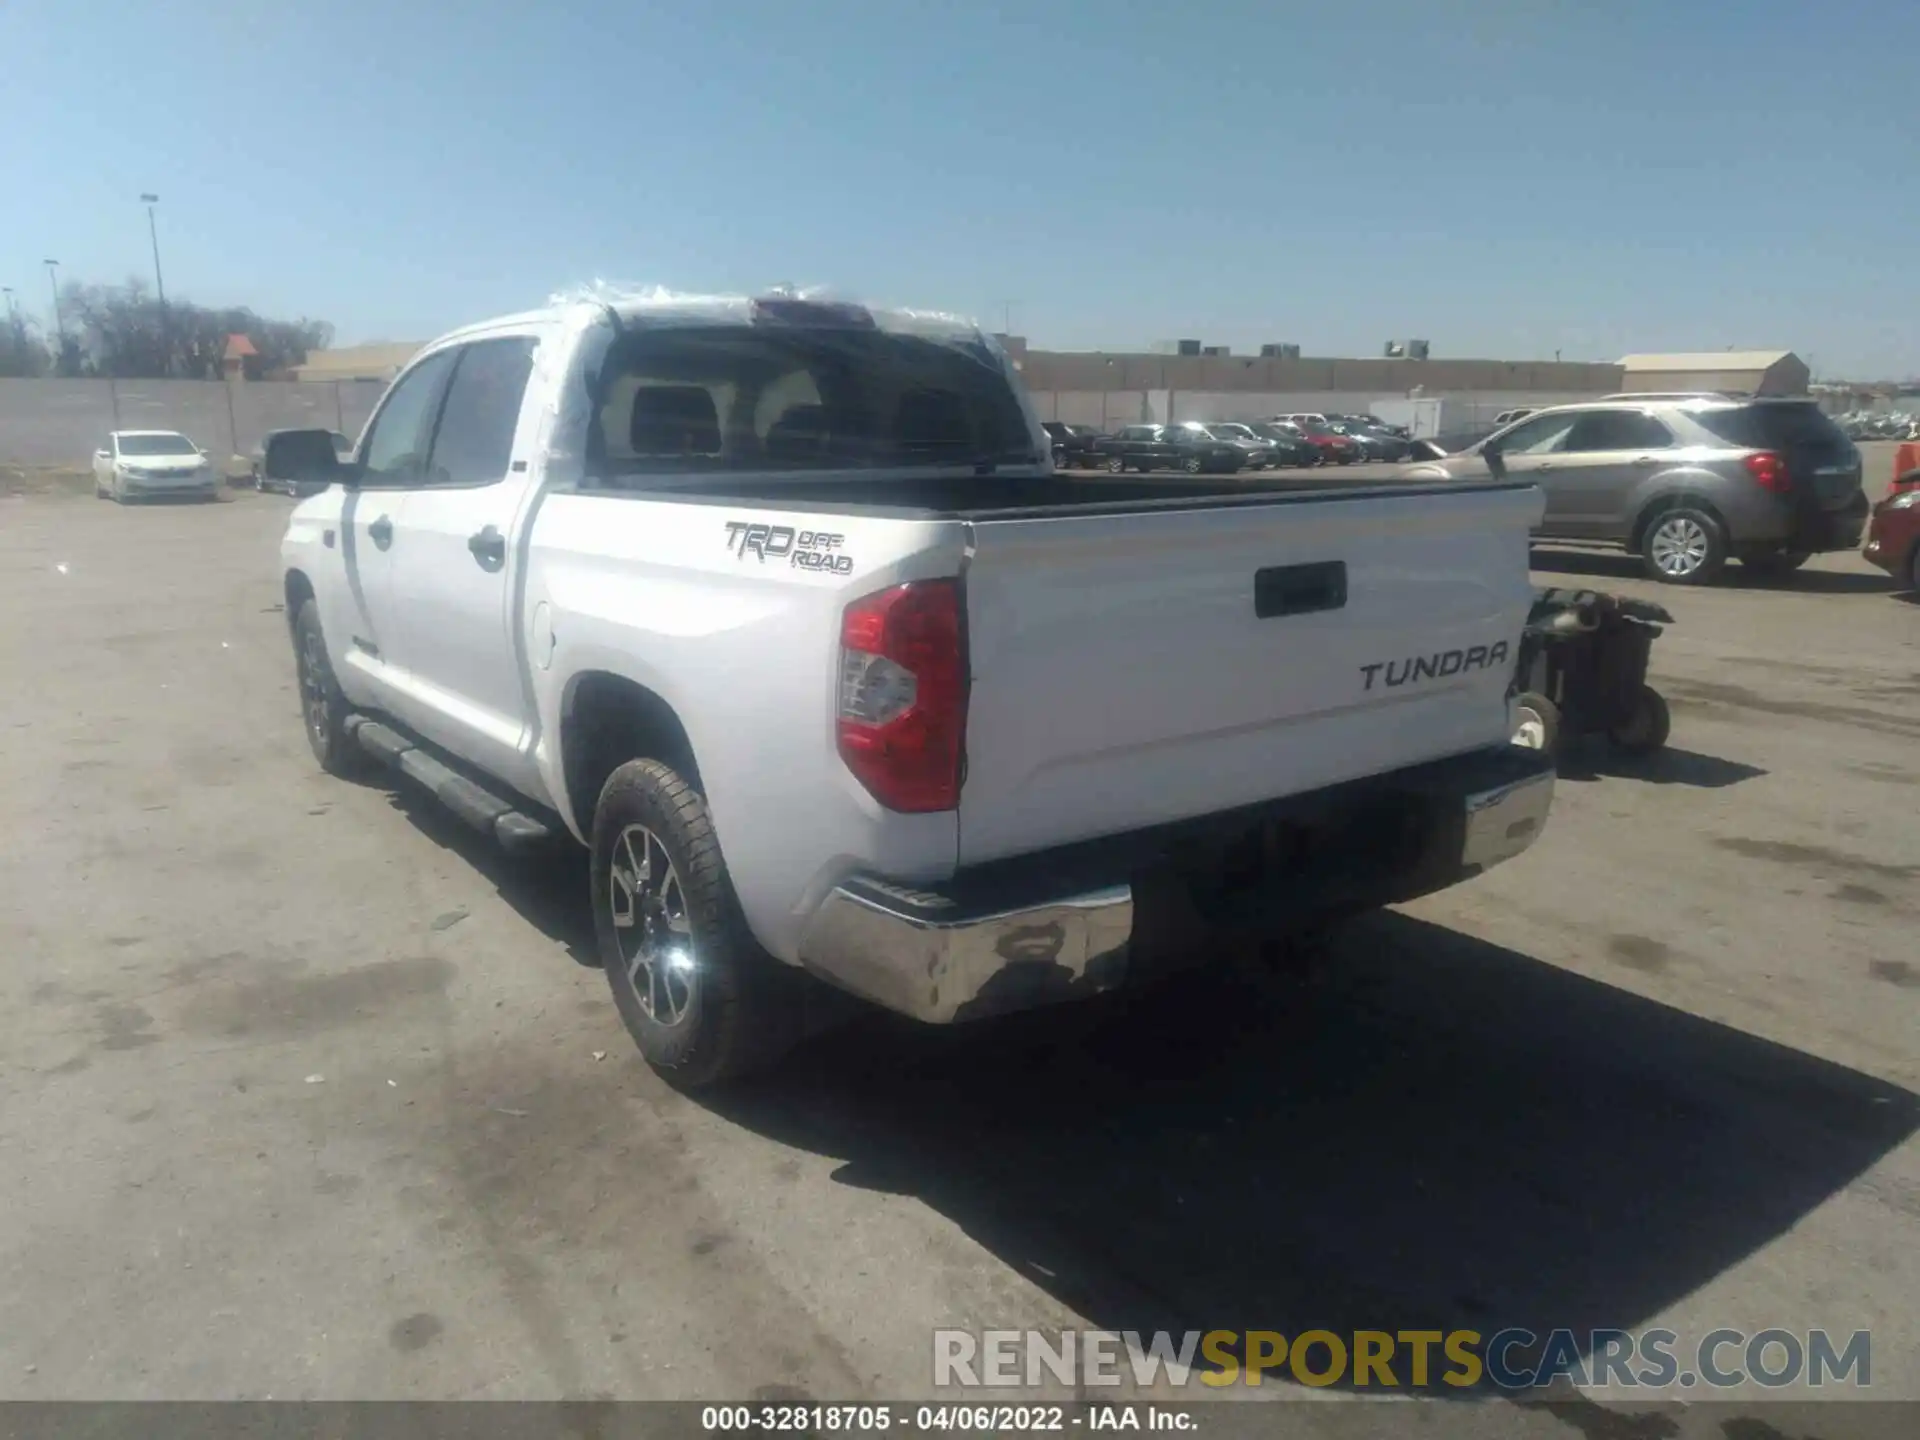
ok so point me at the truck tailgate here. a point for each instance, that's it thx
(1137, 668)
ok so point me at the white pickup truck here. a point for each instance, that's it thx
(779, 607)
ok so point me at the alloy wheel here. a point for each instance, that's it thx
(314, 699)
(1679, 545)
(651, 925)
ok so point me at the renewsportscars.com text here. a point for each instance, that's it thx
(1510, 1359)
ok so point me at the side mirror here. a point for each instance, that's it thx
(1496, 463)
(306, 457)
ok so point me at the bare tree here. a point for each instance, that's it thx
(120, 333)
(22, 351)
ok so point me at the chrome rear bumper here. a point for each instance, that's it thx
(961, 951)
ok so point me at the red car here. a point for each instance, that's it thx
(1893, 534)
(1334, 448)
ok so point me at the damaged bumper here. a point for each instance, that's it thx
(1049, 928)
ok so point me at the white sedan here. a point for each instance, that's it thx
(136, 464)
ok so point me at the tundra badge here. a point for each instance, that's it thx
(1435, 667)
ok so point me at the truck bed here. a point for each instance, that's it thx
(980, 497)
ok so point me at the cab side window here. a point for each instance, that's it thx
(396, 446)
(473, 444)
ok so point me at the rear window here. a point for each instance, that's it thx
(782, 397)
(1774, 427)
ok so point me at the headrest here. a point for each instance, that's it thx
(674, 420)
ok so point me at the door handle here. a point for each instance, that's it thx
(381, 532)
(1644, 462)
(489, 547)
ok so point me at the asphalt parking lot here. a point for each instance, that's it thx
(307, 1093)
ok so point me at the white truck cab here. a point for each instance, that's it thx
(779, 607)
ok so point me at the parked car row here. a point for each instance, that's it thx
(1227, 446)
(1866, 425)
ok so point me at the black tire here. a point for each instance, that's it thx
(1192, 465)
(1536, 722)
(1647, 728)
(1116, 465)
(1671, 527)
(323, 709)
(740, 1009)
(1775, 564)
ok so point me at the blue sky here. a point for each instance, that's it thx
(1505, 178)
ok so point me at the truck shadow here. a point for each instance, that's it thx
(1434, 1131)
(550, 888)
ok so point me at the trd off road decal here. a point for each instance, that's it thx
(802, 549)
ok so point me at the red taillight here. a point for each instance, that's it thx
(1769, 470)
(903, 694)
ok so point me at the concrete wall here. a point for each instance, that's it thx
(62, 422)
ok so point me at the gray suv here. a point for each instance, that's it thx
(1686, 481)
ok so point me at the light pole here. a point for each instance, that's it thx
(13, 309)
(159, 285)
(59, 329)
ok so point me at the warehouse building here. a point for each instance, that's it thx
(1754, 372)
(356, 362)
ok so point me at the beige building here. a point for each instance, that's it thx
(1759, 372)
(356, 362)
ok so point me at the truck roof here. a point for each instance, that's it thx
(641, 307)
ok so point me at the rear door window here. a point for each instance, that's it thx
(1617, 430)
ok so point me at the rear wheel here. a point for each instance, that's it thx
(1192, 465)
(701, 999)
(1116, 465)
(1684, 546)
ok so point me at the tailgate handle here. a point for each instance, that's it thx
(1299, 589)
